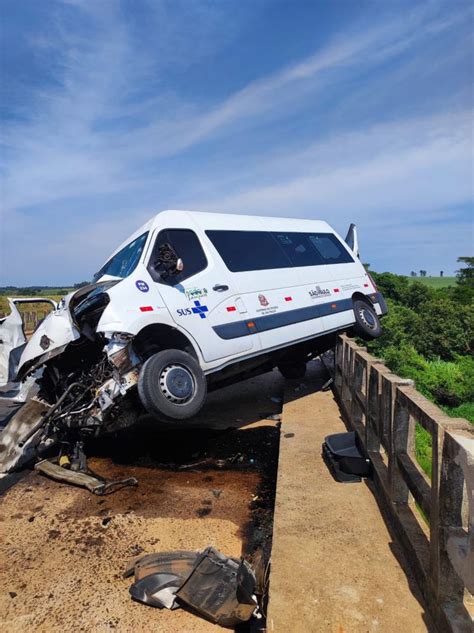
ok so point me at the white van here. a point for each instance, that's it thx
(193, 301)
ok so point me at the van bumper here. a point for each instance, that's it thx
(377, 297)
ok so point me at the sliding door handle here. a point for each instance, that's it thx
(220, 288)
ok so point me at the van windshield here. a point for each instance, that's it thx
(125, 261)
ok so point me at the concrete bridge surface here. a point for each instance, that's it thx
(335, 565)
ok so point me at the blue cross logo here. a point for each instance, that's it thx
(199, 309)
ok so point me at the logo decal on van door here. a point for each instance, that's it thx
(142, 285)
(198, 309)
(195, 293)
(266, 307)
(317, 292)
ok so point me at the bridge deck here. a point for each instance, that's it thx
(335, 566)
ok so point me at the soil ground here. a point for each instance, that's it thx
(63, 550)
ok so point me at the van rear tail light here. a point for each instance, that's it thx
(372, 281)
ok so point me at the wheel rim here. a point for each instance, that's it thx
(368, 318)
(177, 384)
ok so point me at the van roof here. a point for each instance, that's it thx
(173, 218)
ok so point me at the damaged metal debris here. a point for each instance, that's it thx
(61, 470)
(219, 588)
(77, 379)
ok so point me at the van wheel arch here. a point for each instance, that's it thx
(361, 297)
(158, 337)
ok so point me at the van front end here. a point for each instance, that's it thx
(81, 376)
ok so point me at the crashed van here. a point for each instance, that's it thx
(190, 302)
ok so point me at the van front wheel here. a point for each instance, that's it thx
(172, 385)
(367, 324)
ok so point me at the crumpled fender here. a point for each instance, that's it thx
(49, 339)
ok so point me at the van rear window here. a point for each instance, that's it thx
(263, 250)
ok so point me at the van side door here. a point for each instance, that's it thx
(200, 295)
(280, 310)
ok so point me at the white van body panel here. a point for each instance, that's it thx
(206, 316)
(230, 295)
(12, 336)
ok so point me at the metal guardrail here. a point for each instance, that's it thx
(384, 410)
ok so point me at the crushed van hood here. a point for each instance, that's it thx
(63, 326)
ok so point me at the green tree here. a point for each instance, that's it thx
(392, 286)
(464, 292)
(417, 294)
(445, 329)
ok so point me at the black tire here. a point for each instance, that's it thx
(367, 325)
(293, 370)
(172, 385)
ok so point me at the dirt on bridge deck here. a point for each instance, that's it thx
(63, 550)
(336, 567)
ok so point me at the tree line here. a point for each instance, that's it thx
(429, 337)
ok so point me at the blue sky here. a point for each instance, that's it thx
(350, 111)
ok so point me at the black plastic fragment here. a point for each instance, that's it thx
(345, 458)
(220, 589)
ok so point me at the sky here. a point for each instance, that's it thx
(342, 110)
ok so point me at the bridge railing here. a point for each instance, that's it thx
(433, 517)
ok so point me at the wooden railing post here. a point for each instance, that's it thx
(443, 557)
(402, 441)
(373, 434)
(447, 517)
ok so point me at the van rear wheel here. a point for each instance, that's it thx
(367, 324)
(172, 385)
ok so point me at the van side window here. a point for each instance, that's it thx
(299, 250)
(330, 249)
(248, 250)
(262, 250)
(187, 246)
(313, 249)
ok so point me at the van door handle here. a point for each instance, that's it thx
(220, 288)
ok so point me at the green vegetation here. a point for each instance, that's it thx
(429, 337)
(435, 282)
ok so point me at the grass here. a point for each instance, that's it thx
(435, 282)
(423, 449)
(465, 410)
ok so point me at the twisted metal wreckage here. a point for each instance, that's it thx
(72, 377)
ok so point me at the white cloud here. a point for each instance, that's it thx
(91, 144)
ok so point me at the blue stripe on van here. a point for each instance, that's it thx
(272, 321)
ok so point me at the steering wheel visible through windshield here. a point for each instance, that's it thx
(124, 262)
